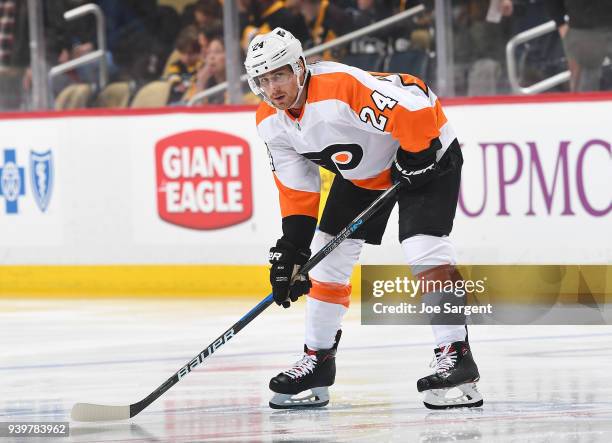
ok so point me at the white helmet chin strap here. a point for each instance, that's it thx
(300, 88)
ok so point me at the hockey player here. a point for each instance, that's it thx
(370, 131)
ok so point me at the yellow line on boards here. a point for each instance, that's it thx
(146, 281)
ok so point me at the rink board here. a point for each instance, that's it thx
(146, 281)
(181, 201)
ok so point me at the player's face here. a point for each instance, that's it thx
(280, 86)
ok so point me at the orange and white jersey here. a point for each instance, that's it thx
(352, 124)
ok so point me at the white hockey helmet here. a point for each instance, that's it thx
(271, 51)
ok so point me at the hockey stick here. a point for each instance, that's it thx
(91, 412)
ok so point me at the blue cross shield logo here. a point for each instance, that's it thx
(41, 173)
(12, 183)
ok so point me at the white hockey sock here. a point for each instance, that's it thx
(322, 322)
(447, 334)
(426, 251)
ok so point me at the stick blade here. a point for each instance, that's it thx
(90, 412)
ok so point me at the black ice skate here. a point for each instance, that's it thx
(316, 371)
(455, 368)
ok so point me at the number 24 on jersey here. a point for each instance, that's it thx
(369, 115)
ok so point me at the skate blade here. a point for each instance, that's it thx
(468, 398)
(318, 398)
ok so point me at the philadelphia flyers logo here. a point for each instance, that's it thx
(337, 158)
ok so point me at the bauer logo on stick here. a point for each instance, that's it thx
(203, 179)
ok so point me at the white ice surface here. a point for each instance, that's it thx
(540, 383)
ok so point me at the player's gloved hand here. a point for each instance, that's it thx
(415, 169)
(287, 283)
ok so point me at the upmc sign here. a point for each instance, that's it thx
(538, 179)
(203, 179)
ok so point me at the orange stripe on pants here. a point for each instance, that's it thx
(331, 292)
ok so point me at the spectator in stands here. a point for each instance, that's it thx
(63, 42)
(587, 38)
(206, 35)
(183, 69)
(265, 15)
(140, 35)
(208, 13)
(74, 39)
(541, 57)
(482, 28)
(373, 9)
(203, 14)
(326, 21)
(14, 54)
(365, 13)
(416, 32)
(211, 73)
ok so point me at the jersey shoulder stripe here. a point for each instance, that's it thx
(264, 111)
(405, 80)
(355, 87)
(410, 115)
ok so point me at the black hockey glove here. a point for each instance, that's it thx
(287, 284)
(414, 169)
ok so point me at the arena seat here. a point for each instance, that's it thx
(114, 95)
(74, 96)
(152, 95)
